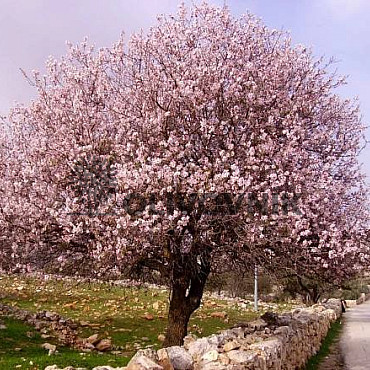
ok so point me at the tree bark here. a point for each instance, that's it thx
(186, 296)
(311, 294)
(178, 316)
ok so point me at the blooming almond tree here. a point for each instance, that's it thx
(207, 143)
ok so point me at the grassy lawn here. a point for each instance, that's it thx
(132, 317)
(20, 348)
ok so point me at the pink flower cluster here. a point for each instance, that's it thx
(203, 102)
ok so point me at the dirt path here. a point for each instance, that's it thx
(355, 339)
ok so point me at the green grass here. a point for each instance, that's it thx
(331, 337)
(20, 348)
(112, 311)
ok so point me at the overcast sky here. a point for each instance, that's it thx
(32, 30)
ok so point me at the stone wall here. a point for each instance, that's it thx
(284, 341)
(275, 341)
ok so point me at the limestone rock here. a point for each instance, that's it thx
(147, 352)
(164, 360)
(93, 339)
(282, 330)
(142, 363)
(210, 356)
(223, 358)
(52, 316)
(189, 339)
(49, 347)
(180, 358)
(89, 346)
(198, 348)
(104, 345)
(215, 339)
(242, 357)
(258, 324)
(211, 366)
(229, 346)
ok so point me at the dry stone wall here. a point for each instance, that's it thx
(276, 341)
(284, 341)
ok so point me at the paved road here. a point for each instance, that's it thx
(355, 340)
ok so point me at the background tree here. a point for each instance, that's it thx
(160, 153)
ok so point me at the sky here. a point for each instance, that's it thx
(33, 30)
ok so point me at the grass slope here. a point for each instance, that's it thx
(116, 312)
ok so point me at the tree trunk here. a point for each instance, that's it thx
(186, 296)
(311, 294)
(315, 296)
(178, 317)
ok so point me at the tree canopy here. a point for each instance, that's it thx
(207, 143)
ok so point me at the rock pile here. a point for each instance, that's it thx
(51, 324)
(45, 322)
